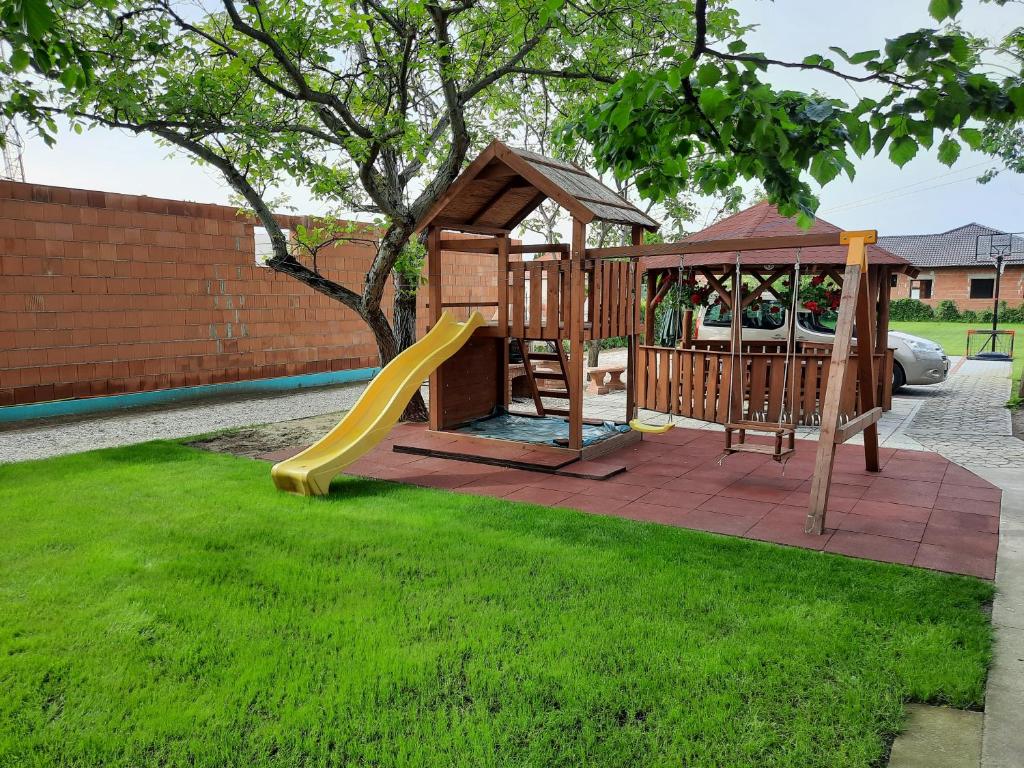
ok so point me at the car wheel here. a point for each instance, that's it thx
(899, 378)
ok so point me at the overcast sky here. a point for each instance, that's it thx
(924, 196)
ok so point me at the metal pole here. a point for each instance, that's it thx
(995, 306)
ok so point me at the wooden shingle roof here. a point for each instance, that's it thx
(504, 185)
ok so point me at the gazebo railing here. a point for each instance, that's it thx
(695, 383)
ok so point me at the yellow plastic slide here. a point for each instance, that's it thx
(376, 411)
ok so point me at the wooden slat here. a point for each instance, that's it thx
(776, 386)
(857, 424)
(699, 390)
(518, 299)
(712, 390)
(503, 250)
(536, 299)
(551, 300)
(758, 385)
(579, 245)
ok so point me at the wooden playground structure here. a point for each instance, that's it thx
(586, 294)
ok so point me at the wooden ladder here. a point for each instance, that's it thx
(533, 375)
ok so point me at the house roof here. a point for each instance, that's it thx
(955, 248)
(764, 220)
(504, 185)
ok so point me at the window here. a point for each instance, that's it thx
(262, 246)
(894, 280)
(768, 316)
(983, 287)
(921, 289)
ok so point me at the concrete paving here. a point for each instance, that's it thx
(938, 737)
(1003, 739)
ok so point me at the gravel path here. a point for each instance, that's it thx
(53, 437)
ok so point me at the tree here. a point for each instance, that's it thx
(372, 105)
(709, 118)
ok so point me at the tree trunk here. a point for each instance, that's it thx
(593, 353)
(387, 346)
(404, 323)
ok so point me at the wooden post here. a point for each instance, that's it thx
(737, 374)
(852, 304)
(687, 339)
(631, 341)
(867, 381)
(433, 315)
(506, 390)
(575, 373)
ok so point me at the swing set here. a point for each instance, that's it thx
(577, 294)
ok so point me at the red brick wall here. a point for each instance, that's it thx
(102, 293)
(955, 283)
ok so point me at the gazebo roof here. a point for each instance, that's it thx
(504, 185)
(764, 220)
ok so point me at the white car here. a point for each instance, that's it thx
(915, 360)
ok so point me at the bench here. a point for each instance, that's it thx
(598, 385)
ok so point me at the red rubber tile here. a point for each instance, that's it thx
(880, 526)
(728, 505)
(543, 496)
(966, 542)
(872, 547)
(783, 528)
(654, 513)
(989, 508)
(955, 474)
(957, 491)
(882, 509)
(914, 493)
(598, 505)
(714, 522)
(932, 471)
(674, 499)
(963, 521)
(953, 561)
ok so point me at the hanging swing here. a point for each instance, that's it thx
(784, 431)
(658, 429)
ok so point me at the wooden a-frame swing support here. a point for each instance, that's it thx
(854, 309)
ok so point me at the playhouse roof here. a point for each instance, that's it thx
(504, 185)
(764, 220)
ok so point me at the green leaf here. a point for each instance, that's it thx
(860, 136)
(824, 169)
(36, 17)
(708, 74)
(620, 115)
(710, 98)
(902, 150)
(973, 137)
(19, 60)
(864, 56)
(819, 111)
(949, 151)
(737, 46)
(941, 10)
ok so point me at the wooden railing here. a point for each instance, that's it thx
(538, 299)
(539, 293)
(609, 299)
(695, 383)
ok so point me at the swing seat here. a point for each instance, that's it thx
(653, 429)
(785, 439)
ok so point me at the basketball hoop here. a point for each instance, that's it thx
(997, 249)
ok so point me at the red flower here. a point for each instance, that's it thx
(812, 306)
(695, 298)
(774, 310)
(817, 280)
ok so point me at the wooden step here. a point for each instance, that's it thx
(544, 356)
(555, 375)
(558, 394)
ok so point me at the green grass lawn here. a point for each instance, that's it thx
(953, 338)
(165, 606)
